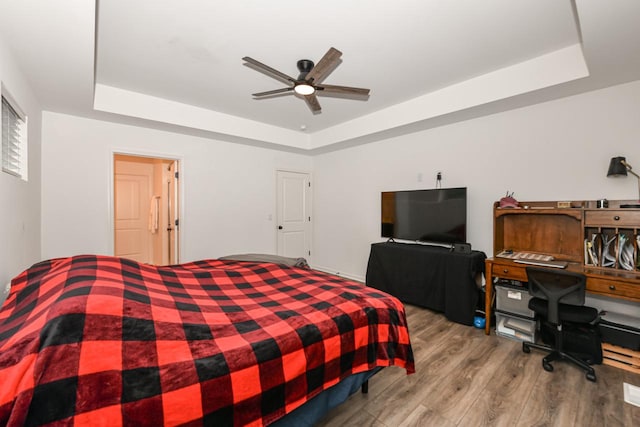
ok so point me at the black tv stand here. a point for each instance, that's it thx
(433, 277)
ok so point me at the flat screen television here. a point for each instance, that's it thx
(438, 215)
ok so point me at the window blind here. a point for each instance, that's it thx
(13, 131)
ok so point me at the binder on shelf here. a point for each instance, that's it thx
(587, 259)
(609, 251)
(637, 239)
(589, 255)
(626, 253)
(593, 249)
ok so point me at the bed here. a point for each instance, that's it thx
(99, 340)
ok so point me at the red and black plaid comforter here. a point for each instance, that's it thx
(97, 340)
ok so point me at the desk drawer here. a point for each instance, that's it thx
(509, 272)
(612, 218)
(613, 288)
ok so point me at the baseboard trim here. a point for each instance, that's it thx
(338, 273)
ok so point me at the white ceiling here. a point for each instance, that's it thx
(178, 64)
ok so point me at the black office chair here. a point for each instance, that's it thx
(558, 296)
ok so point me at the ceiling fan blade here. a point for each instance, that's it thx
(273, 92)
(312, 102)
(268, 69)
(325, 66)
(343, 89)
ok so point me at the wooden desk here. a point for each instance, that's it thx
(546, 228)
(611, 283)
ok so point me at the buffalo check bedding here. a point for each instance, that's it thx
(99, 340)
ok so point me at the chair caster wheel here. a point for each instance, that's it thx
(547, 366)
(591, 377)
(526, 348)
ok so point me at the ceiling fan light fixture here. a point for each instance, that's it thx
(304, 89)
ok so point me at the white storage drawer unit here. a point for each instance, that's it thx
(514, 327)
(513, 299)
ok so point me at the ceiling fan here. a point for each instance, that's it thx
(308, 84)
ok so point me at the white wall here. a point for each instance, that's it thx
(228, 189)
(553, 151)
(20, 199)
(558, 150)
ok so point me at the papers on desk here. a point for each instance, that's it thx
(515, 255)
(612, 250)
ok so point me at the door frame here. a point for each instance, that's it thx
(111, 192)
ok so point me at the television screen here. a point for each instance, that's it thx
(438, 215)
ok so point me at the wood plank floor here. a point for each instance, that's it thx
(465, 378)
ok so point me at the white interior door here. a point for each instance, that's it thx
(133, 193)
(294, 214)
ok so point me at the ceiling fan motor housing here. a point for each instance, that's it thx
(304, 65)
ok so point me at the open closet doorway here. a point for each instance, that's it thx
(146, 209)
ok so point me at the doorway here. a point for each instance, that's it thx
(146, 209)
(293, 205)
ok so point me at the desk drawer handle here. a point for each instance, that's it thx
(612, 287)
(616, 218)
(505, 271)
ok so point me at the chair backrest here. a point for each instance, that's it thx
(556, 286)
